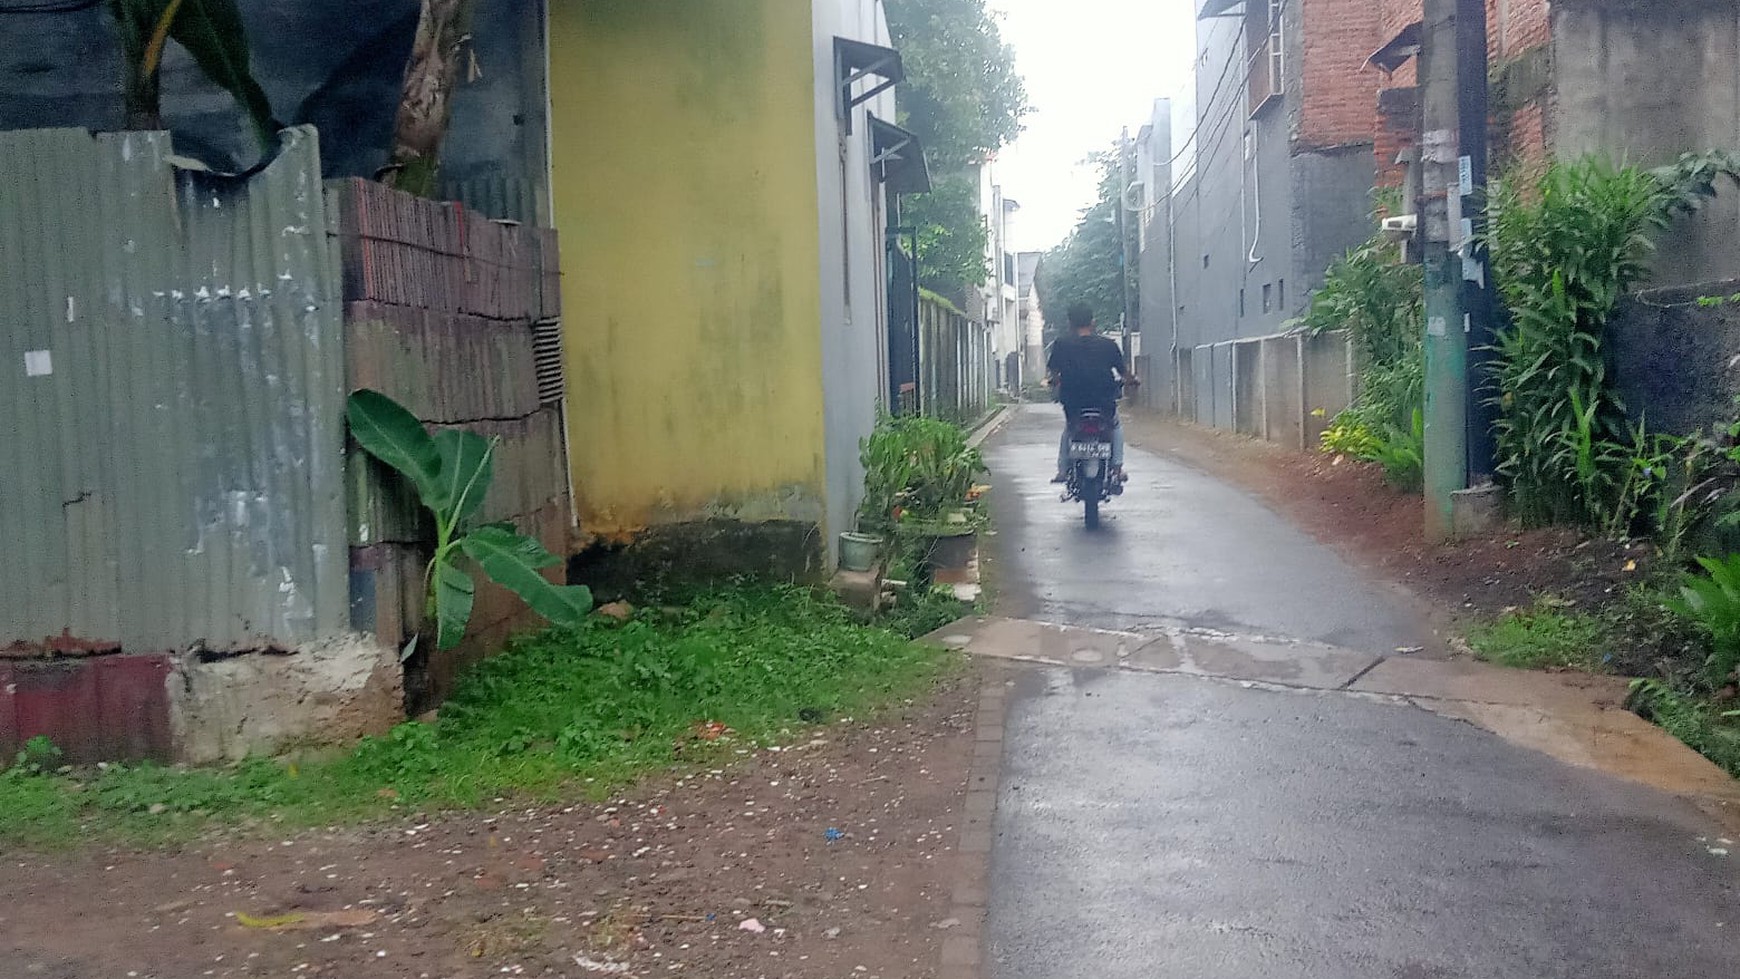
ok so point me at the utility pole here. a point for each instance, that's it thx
(1446, 340)
(1478, 302)
(1126, 320)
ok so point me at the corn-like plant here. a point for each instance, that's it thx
(211, 31)
(451, 471)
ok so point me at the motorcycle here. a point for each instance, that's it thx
(1090, 478)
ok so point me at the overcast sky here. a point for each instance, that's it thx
(1092, 67)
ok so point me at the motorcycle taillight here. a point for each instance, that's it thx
(1089, 428)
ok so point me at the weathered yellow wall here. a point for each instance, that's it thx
(684, 187)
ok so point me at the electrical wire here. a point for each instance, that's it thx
(49, 6)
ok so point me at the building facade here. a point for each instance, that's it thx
(724, 267)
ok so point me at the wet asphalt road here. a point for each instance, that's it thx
(1163, 826)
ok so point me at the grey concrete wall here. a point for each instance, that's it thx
(1224, 379)
(1329, 382)
(1248, 392)
(1676, 363)
(1202, 372)
(333, 64)
(1643, 81)
(1283, 392)
(851, 215)
(1332, 208)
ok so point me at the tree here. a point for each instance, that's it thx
(212, 32)
(964, 100)
(1084, 268)
(426, 105)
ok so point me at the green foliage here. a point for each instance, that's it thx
(212, 32)
(1544, 637)
(962, 97)
(1709, 730)
(451, 473)
(1378, 301)
(951, 236)
(585, 708)
(1085, 267)
(915, 468)
(1711, 603)
(1567, 244)
(964, 100)
(1376, 298)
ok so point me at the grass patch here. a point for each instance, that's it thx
(1545, 637)
(559, 712)
(1711, 731)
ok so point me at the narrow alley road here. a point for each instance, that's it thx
(1155, 823)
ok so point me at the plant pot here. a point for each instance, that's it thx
(952, 552)
(858, 552)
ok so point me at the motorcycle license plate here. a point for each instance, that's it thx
(1090, 450)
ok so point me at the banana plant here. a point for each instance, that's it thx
(212, 32)
(451, 471)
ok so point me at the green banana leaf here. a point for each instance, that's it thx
(452, 597)
(466, 471)
(393, 435)
(512, 561)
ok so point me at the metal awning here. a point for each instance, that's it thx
(897, 158)
(855, 61)
(1403, 46)
(1217, 8)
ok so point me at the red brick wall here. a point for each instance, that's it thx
(1338, 105)
(1398, 14)
(1515, 26)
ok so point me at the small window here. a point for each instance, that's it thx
(1268, 292)
(1205, 261)
(1241, 303)
(1281, 295)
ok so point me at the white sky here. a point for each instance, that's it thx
(1092, 67)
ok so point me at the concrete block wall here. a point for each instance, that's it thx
(1284, 388)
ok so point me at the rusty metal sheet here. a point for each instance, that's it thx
(174, 376)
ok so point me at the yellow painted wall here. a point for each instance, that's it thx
(683, 176)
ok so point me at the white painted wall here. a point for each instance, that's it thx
(852, 262)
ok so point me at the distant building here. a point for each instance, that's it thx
(999, 293)
(1032, 315)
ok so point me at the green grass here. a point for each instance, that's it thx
(558, 713)
(1543, 638)
(1711, 731)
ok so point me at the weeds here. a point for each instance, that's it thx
(1711, 602)
(592, 707)
(1546, 637)
(1709, 730)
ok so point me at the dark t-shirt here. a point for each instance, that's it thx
(1085, 366)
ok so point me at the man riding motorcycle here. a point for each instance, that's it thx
(1088, 371)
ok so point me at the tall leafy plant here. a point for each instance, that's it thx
(1377, 300)
(451, 472)
(212, 32)
(1567, 243)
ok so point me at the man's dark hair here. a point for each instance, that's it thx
(1080, 315)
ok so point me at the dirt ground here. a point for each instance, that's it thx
(841, 848)
(1349, 506)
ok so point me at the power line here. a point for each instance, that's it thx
(49, 6)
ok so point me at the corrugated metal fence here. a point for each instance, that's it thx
(174, 387)
(176, 349)
(955, 365)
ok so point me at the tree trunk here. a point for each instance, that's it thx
(426, 104)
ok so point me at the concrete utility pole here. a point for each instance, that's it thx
(1478, 302)
(1446, 338)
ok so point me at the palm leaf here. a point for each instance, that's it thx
(512, 561)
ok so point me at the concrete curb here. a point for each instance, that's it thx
(963, 949)
(989, 426)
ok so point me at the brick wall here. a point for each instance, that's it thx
(1516, 26)
(1338, 102)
